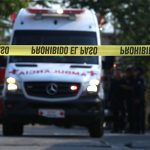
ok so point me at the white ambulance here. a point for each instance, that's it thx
(59, 90)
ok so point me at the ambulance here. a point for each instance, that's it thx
(54, 90)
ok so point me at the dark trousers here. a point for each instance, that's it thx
(139, 117)
(129, 111)
(118, 117)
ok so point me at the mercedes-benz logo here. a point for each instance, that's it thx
(52, 89)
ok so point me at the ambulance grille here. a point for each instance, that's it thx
(51, 89)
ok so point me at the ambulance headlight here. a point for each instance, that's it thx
(93, 86)
(12, 87)
(94, 82)
(11, 80)
(11, 84)
(92, 89)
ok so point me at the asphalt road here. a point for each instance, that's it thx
(54, 138)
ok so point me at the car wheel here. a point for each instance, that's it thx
(12, 129)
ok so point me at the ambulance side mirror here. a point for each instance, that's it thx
(3, 61)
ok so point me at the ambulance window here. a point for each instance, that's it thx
(55, 38)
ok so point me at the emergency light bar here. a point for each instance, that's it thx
(73, 11)
(51, 11)
(35, 11)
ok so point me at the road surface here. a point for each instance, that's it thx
(54, 138)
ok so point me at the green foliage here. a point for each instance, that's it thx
(131, 18)
(8, 6)
(6, 9)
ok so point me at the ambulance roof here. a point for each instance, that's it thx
(84, 21)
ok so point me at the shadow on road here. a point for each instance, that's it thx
(57, 136)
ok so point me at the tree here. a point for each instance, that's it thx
(131, 18)
(131, 22)
(8, 6)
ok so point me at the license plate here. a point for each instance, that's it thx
(52, 113)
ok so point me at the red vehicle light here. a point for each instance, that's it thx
(13, 17)
(73, 87)
(2, 74)
(1, 107)
(100, 21)
(36, 11)
(51, 11)
(73, 11)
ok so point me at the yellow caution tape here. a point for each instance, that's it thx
(75, 50)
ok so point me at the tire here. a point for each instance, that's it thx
(96, 129)
(12, 129)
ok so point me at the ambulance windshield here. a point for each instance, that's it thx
(36, 37)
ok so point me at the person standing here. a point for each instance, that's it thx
(128, 94)
(139, 101)
(116, 101)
